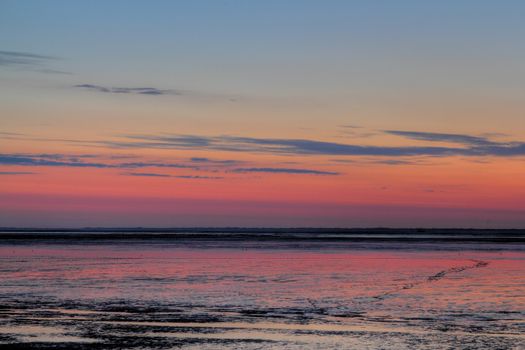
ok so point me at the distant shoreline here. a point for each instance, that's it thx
(266, 235)
(234, 229)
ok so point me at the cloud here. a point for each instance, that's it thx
(195, 95)
(51, 71)
(468, 145)
(77, 161)
(494, 134)
(39, 160)
(440, 137)
(129, 90)
(199, 160)
(10, 58)
(355, 131)
(284, 171)
(155, 165)
(173, 176)
(282, 146)
(28, 61)
(198, 177)
(11, 136)
(515, 149)
(205, 161)
(382, 161)
(395, 162)
(147, 174)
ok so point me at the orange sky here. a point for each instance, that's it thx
(341, 115)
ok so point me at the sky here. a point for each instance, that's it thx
(262, 113)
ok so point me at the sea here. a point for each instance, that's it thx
(264, 288)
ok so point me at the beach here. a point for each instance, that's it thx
(262, 290)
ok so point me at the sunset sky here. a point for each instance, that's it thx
(262, 113)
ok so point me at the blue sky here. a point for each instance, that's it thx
(407, 104)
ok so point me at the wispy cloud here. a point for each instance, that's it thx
(468, 145)
(284, 171)
(28, 61)
(9, 58)
(355, 131)
(129, 90)
(155, 165)
(173, 176)
(199, 96)
(11, 136)
(78, 161)
(208, 161)
(350, 126)
(198, 177)
(395, 162)
(282, 146)
(39, 160)
(440, 137)
(147, 174)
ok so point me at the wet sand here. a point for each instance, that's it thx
(172, 292)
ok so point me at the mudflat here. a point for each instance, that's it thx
(262, 290)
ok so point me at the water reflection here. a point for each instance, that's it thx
(290, 296)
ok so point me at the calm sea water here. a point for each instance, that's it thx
(162, 294)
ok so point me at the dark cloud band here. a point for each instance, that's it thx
(129, 90)
(284, 171)
(468, 145)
